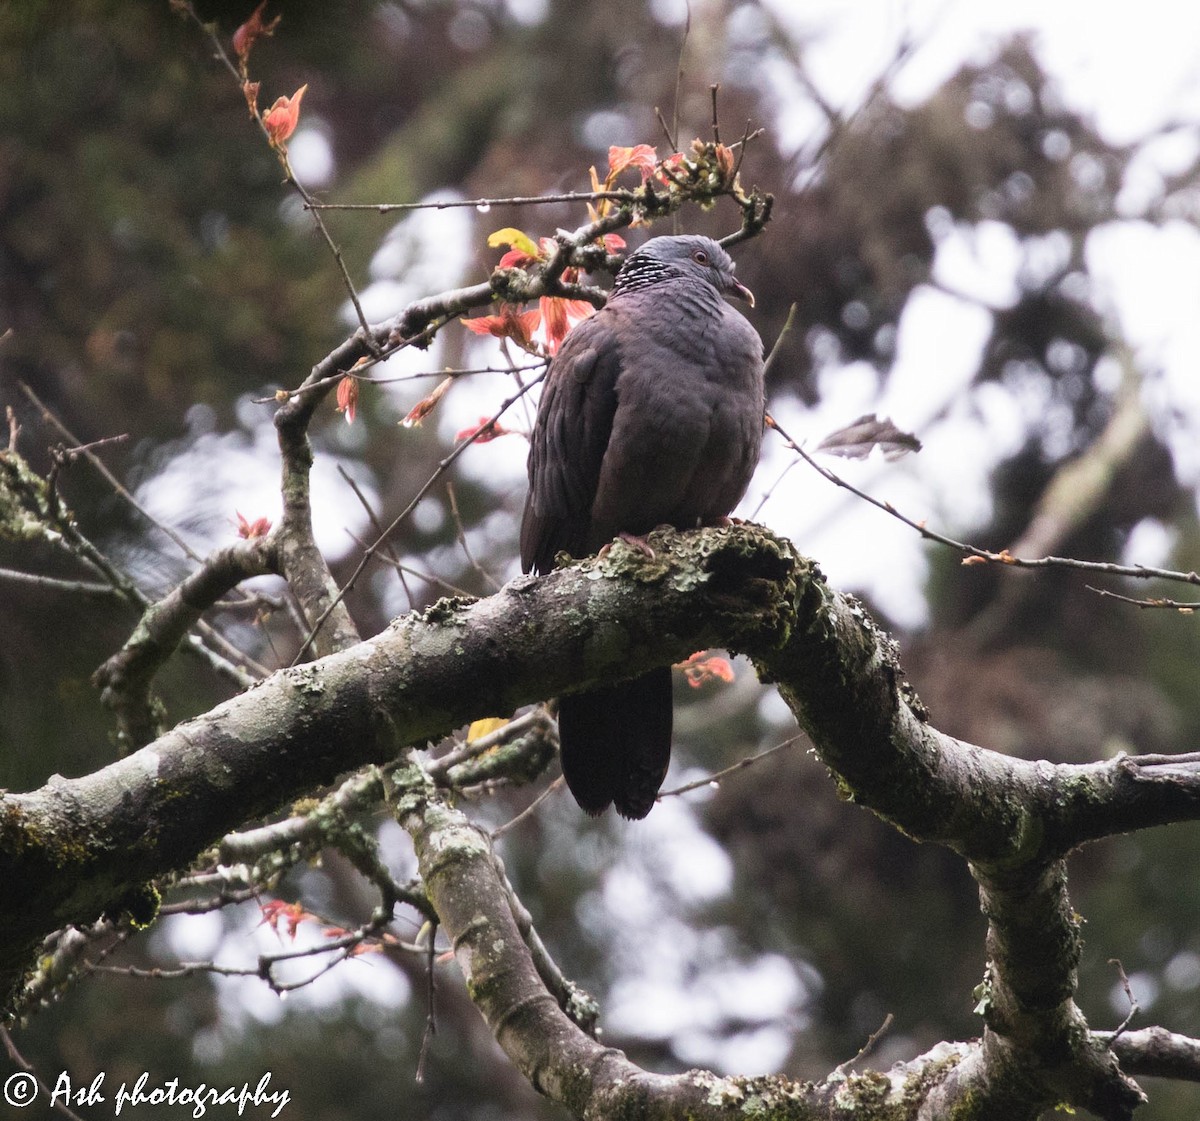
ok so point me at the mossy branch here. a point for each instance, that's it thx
(78, 848)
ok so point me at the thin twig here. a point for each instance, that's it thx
(447, 204)
(488, 578)
(431, 1005)
(1140, 572)
(389, 552)
(225, 898)
(403, 570)
(12, 1084)
(662, 121)
(343, 947)
(421, 375)
(1184, 607)
(743, 145)
(442, 467)
(528, 811)
(210, 30)
(788, 326)
(334, 248)
(1133, 1004)
(687, 30)
(715, 778)
(14, 427)
(870, 1045)
(118, 488)
(55, 584)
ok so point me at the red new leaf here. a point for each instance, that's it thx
(698, 669)
(260, 527)
(254, 28)
(560, 315)
(347, 398)
(276, 912)
(483, 430)
(508, 324)
(669, 167)
(281, 119)
(426, 405)
(641, 156)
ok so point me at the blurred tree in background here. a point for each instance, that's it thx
(158, 281)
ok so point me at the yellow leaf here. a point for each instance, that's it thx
(481, 728)
(515, 239)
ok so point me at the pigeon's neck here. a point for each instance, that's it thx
(641, 273)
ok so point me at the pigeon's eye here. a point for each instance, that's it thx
(700, 257)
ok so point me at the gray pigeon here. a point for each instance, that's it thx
(652, 414)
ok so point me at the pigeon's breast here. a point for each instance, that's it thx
(688, 423)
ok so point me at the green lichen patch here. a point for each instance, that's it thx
(25, 502)
(448, 609)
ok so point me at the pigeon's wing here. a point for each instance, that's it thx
(569, 439)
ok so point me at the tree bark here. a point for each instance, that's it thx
(80, 847)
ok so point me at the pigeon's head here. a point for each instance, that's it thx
(686, 256)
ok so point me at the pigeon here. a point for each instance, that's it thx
(652, 414)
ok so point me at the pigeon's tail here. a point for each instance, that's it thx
(616, 743)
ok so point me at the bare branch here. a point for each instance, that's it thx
(1155, 1052)
(55, 584)
(621, 196)
(975, 554)
(461, 534)
(124, 679)
(118, 488)
(1184, 607)
(529, 810)
(715, 778)
(870, 1045)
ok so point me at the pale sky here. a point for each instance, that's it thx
(1131, 76)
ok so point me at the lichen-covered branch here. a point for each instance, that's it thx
(558, 1057)
(82, 847)
(77, 848)
(124, 679)
(1155, 1052)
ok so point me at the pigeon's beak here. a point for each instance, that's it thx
(739, 291)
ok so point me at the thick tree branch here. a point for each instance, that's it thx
(80, 847)
(1155, 1052)
(560, 1060)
